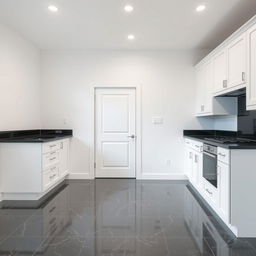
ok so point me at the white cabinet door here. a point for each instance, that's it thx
(224, 190)
(197, 168)
(208, 94)
(251, 57)
(188, 162)
(200, 78)
(220, 71)
(204, 89)
(236, 54)
(64, 158)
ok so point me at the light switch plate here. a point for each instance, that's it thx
(157, 120)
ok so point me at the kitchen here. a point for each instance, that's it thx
(126, 130)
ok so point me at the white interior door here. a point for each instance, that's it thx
(115, 133)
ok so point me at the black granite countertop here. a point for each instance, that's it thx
(201, 135)
(34, 136)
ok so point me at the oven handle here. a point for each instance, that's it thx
(211, 155)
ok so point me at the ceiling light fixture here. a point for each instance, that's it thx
(200, 8)
(53, 8)
(128, 8)
(131, 37)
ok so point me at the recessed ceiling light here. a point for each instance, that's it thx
(53, 8)
(128, 8)
(200, 8)
(131, 37)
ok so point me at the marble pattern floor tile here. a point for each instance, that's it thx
(119, 217)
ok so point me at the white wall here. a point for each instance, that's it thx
(19, 82)
(225, 123)
(167, 80)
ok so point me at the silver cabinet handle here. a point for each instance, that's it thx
(196, 159)
(222, 155)
(51, 177)
(190, 155)
(243, 76)
(132, 136)
(52, 146)
(202, 108)
(209, 192)
(225, 83)
(53, 158)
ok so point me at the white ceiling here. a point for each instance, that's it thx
(102, 24)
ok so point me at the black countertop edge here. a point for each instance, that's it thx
(32, 136)
(210, 133)
(200, 135)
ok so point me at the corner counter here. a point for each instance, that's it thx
(33, 162)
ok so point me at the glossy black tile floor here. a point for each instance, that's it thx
(119, 218)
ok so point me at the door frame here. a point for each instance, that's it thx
(138, 144)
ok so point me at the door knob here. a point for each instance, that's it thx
(132, 136)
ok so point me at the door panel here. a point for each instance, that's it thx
(220, 71)
(115, 124)
(237, 62)
(115, 108)
(251, 88)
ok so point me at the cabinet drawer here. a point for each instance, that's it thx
(188, 142)
(50, 159)
(211, 192)
(50, 177)
(51, 146)
(197, 146)
(223, 155)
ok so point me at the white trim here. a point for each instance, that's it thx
(79, 176)
(138, 89)
(163, 176)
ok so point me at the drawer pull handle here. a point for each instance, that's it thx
(53, 158)
(51, 177)
(209, 191)
(222, 155)
(51, 210)
(53, 229)
(52, 146)
(53, 168)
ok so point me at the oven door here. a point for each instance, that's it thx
(210, 168)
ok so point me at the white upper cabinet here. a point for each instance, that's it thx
(206, 104)
(220, 71)
(230, 67)
(204, 95)
(251, 60)
(236, 55)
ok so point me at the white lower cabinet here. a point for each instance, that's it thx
(218, 198)
(193, 161)
(29, 170)
(224, 190)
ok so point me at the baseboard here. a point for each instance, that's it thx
(143, 176)
(79, 176)
(163, 176)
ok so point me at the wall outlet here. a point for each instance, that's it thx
(157, 120)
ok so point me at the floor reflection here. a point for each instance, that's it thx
(119, 217)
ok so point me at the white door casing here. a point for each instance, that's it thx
(115, 123)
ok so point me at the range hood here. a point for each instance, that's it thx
(236, 93)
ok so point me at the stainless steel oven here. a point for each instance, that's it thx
(210, 164)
